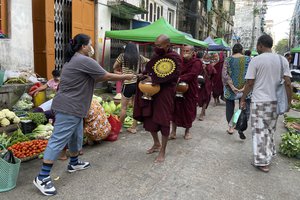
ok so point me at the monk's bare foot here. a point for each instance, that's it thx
(131, 130)
(153, 149)
(160, 158)
(188, 136)
(172, 136)
(201, 118)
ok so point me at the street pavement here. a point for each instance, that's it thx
(211, 166)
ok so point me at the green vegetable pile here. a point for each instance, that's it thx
(37, 118)
(4, 139)
(290, 145)
(42, 132)
(16, 137)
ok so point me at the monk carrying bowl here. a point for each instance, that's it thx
(148, 90)
(181, 88)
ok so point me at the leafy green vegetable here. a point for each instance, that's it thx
(290, 145)
(16, 137)
(37, 118)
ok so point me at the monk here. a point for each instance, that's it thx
(156, 114)
(217, 84)
(186, 107)
(205, 89)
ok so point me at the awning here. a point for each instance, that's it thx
(295, 50)
(125, 10)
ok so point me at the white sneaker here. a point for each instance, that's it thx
(45, 186)
(79, 166)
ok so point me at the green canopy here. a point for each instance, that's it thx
(295, 50)
(220, 41)
(151, 32)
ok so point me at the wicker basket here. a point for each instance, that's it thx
(29, 158)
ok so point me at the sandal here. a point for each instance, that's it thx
(230, 133)
(265, 168)
(172, 137)
(153, 150)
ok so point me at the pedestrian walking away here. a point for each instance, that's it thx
(233, 76)
(263, 78)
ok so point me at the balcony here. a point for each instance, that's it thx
(125, 8)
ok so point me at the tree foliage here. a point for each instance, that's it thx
(282, 46)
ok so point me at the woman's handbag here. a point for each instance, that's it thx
(282, 100)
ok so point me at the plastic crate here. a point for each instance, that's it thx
(27, 126)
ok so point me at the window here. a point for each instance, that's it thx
(170, 17)
(154, 12)
(143, 6)
(162, 11)
(147, 7)
(150, 12)
(3, 16)
(158, 12)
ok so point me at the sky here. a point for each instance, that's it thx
(281, 13)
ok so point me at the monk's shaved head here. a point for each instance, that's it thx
(188, 47)
(162, 44)
(163, 38)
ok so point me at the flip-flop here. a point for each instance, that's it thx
(230, 133)
(264, 169)
(153, 150)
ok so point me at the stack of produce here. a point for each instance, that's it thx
(42, 132)
(129, 117)
(99, 99)
(8, 117)
(111, 108)
(28, 148)
(290, 144)
(24, 103)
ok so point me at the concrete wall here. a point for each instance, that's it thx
(16, 52)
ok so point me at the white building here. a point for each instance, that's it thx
(249, 22)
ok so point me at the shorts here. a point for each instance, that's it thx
(128, 90)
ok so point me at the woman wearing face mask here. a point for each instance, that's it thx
(71, 105)
(129, 62)
(185, 109)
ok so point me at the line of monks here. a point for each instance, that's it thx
(167, 69)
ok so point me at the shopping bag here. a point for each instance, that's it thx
(116, 126)
(242, 122)
(235, 118)
(282, 100)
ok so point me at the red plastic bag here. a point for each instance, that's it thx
(116, 126)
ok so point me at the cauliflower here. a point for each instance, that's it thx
(4, 122)
(10, 115)
(5, 111)
(2, 115)
(16, 120)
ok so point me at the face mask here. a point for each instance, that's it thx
(159, 51)
(91, 52)
(186, 56)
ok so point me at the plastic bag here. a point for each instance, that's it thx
(235, 118)
(116, 126)
(242, 123)
(9, 157)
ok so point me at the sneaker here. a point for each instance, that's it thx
(45, 186)
(242, 135)
(80, 166)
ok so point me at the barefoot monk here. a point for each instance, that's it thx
(156, 114)
(186, 106)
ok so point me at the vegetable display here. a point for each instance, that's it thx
(17, 137)
(28, 148)
(42, 132)
(7, 117)
(290, 145)
(37, 118)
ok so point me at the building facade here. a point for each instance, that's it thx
(203, 18)
(249, 22)
(294, 40)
